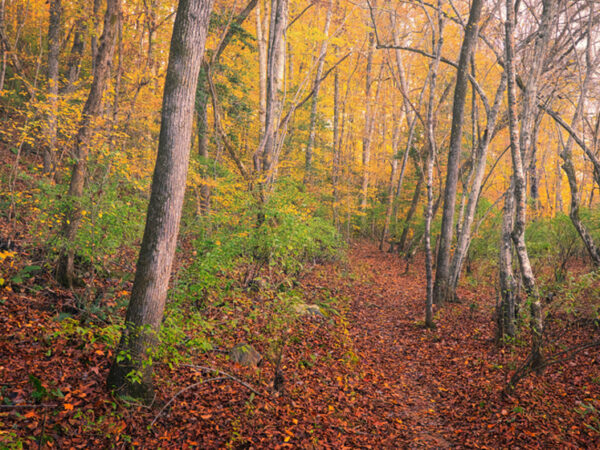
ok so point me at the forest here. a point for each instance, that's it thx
(299, 224)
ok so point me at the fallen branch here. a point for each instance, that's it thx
(191, 386)
(220, 372)
(527, 367)
(28, 406)
(225, 376)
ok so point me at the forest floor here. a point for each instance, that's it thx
(368, 376)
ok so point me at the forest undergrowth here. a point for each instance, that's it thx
(366, 374)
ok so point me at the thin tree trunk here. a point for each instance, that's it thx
(569, 169)
(146, 307)
(261, 40)
(94, 41)
(431, 156)
(442, 287)
(464, 235)
(519, 145)
(75, 57)
(390, 199)
(2, 47)
(532, 168)
(91, 110)
(558, 203)
(117, 86)
(368, 128)
(411, 212)
(315, 100)
(264, 156)
(336, 146)
(202, 97)
(51, 126)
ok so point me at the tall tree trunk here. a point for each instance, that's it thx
(368, 126)
(264, 156)
(506, 311)
(91, 110)
(75, 57)
(480, 160)
(519, 145)
(569, 169)
(336, 146)
(202, 123)
(431, 156)
(146, 307)
(411, 119)
(261, 40)
(532, 168)
(2, 47)
(51, 126)
(442, 287)
(202, 97)
(315, 99)
(94, 40)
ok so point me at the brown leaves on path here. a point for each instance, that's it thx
(370, 376)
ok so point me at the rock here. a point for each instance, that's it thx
(245, 355)
(308, 310)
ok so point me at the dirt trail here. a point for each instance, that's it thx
(385, 326)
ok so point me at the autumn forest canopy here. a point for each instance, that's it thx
(299, 223)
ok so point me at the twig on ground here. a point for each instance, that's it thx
(191, 386)
(27, 406)
(221, 372)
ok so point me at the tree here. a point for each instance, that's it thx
(519, 144)
(442, 273)
(52, 75)
(315, 99)
(146, 306)
(91, 110)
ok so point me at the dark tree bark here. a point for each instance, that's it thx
(411, 212)
(51, 126)
(442, 287)
(146, 307)
(203, 95)
(94, 40)
(390, 197)
(480, 159)
(75, 57)
(91, 110)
